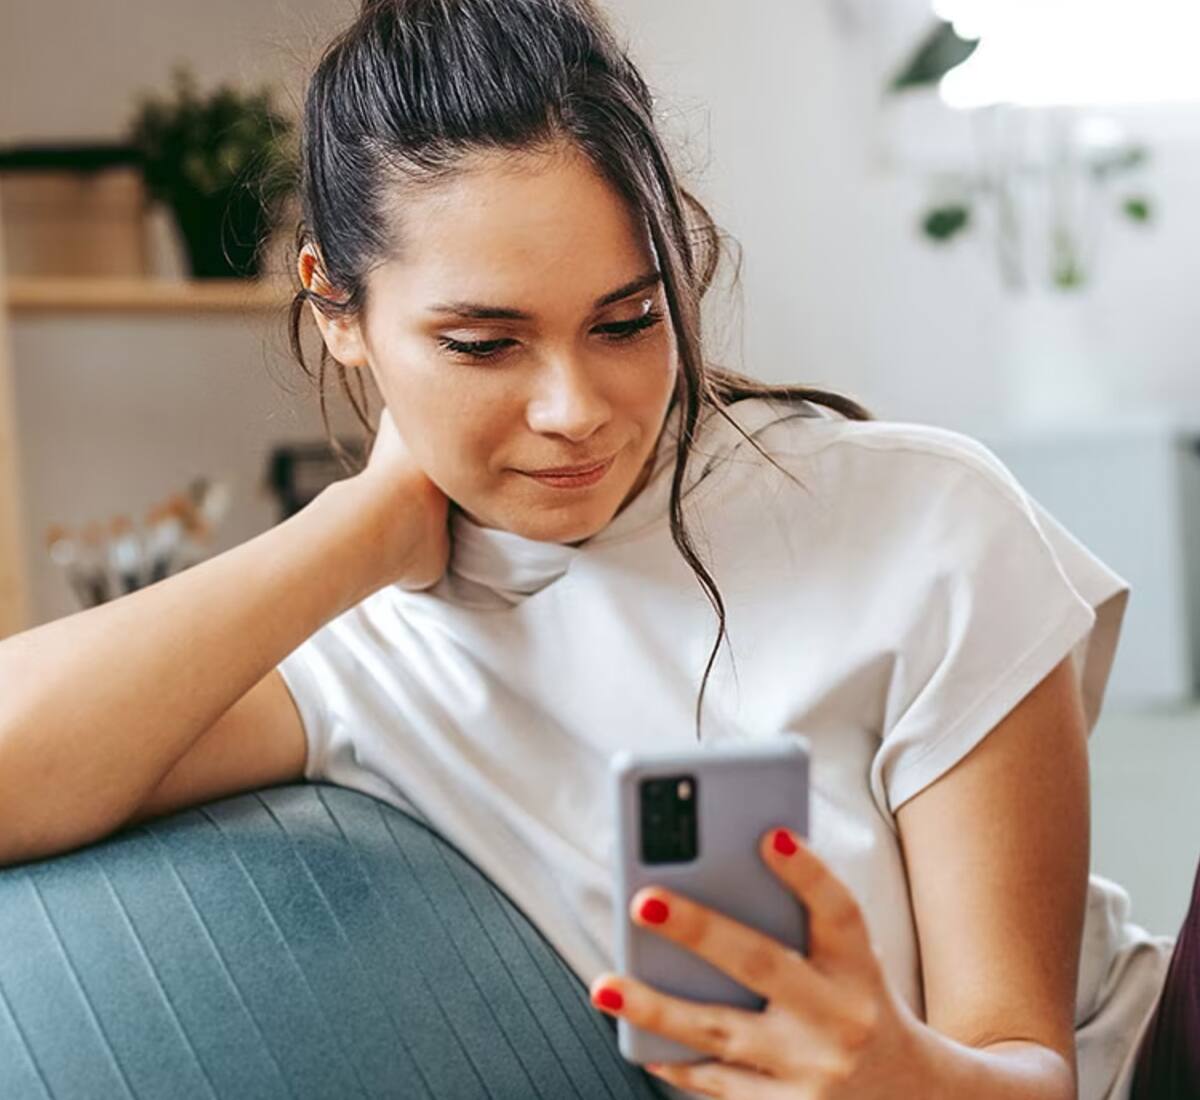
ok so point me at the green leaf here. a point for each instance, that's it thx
(941, 50)
(1124, 159)
(1068, 275)
(1137, 208)
(940, 223)
(206, 143)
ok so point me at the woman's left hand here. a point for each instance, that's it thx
(832, 1027)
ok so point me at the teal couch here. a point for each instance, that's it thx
(296, 941)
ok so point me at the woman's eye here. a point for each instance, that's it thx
(476, 349)
(623, 330)
(616, 331)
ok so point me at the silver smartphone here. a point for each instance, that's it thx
(691, 821)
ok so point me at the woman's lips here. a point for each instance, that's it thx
(574, 481)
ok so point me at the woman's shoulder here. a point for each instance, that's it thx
(804, 436)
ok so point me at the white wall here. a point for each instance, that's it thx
(73, 69)
(839, 287)
(113, 414)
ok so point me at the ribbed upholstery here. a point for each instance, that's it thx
(296, 941)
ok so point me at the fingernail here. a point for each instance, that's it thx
(783, 842)
(654, 910)
(607, 997)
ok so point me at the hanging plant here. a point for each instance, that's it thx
(1078, 169)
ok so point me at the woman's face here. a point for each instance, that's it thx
(524, 329)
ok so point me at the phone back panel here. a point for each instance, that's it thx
(741, 790)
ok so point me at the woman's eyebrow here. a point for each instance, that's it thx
(478, 312)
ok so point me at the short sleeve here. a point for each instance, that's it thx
(347, 683)
(300, 673)
(1002, 593)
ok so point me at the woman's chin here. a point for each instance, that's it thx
(566, 525)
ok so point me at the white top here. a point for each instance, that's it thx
(893, 611)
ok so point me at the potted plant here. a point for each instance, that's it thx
(222, 162)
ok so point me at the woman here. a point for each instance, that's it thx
(493, 232)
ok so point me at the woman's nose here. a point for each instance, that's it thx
(568, 402)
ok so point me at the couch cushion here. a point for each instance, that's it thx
(303, 940)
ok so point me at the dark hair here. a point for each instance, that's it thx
(413, 87)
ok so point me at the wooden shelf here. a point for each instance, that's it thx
(61, 294)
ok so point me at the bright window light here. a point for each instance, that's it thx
(1039, 53)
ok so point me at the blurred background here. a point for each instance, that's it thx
(972, 213)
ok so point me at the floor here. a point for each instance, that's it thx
(1146, 809)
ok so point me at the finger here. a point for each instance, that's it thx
(760, 962)
(836, 927)
(732, 1034)
(718, 1079)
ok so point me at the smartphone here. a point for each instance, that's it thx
(691, 821)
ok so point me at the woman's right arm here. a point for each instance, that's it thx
(97, 708)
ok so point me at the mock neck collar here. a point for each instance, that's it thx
(512, 566)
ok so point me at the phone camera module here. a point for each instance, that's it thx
(668, 818)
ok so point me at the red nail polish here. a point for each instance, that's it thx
(654, 910)
(609, 998)
(784, 843)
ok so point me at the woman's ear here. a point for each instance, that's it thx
(342, 335)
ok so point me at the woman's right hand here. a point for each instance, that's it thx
(411, 512)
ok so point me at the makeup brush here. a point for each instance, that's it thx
(212, 500)
(64, 551)
(125, 553)
(94, 558)
(165, 534)
(194, 530)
